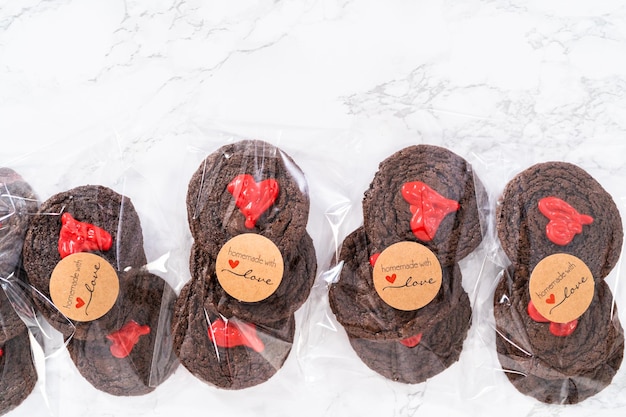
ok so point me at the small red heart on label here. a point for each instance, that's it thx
(391, 279)
(233, 264)
(79, 302)
(551, 299)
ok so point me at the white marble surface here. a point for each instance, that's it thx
(115, 91)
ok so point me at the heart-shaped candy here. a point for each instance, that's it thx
(253, 198)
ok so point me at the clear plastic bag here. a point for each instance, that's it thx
(252, 264)
(91, 290)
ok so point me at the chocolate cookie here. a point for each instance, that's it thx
(105, 212)
(135, 355)
(558, 335)
(17, 371)
(360, 310)
(18, 203)
(426, 194)
(10, 322)
(227, 353)
(557, 207)
(436, 349)
(248, 187)
(552, 368)
(300, 265)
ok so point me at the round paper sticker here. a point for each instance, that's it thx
(407, 276)
(561, 287)
(84, 286)
(249, 267)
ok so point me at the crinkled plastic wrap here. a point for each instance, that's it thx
(558, 334)
(398, 289)
(89, 285)
(252, 264)
(18, 375)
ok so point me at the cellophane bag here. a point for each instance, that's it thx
(552, 315)
(95, 278)
(395, 326)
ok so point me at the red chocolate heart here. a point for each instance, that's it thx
(557, 329)
(412, 341)
(374, 258)
(229, 334)
(565, 222)
(429, 208)
(253, 198)
(125, 339)
(76, 236)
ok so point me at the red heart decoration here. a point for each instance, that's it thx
(125, 339)
(253, 198)
(373, 258)
(563, 329)
(230, 334)
(565, 221)
(76, 236)
(233, 264)
(551, 299)
(535, 314)
(428, 207)
(412, 341)
(79, 302)
(391, 279)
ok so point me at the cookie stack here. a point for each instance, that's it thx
(17, 372)
(399, 295)
(558, 336)
(84, 259)
(252, 265)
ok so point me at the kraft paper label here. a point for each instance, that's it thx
(84, 286)
(407, 276)
(561, 287)
(249, 267)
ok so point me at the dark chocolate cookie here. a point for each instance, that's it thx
(562, 369)
(426, 194)
(17, 371)
(248, 187)
(135, 355)
(18, 203)
(577, 217)
(227, 353)
(361, 311)
(298, 277)
(10, 322)
(436, 349)
(97, 205)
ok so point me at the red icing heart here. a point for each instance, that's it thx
(233, 264)
(565, 222)
(374, 258)
(429, 208)
(391, 279)
(229, 334)
(563, 329)
(125, 339)
(79, 302)
(78, 236)
(535, 314)
(1, 353)
(412, 341)
(557, 329)
(253, 198)
(551, 299)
